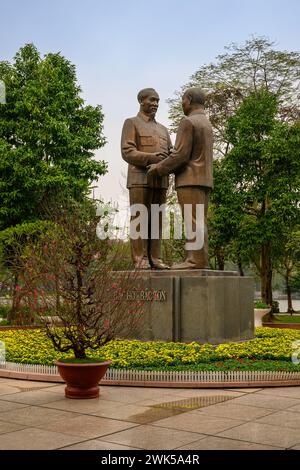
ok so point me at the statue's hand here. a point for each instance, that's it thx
(157, 157)
(152, 171)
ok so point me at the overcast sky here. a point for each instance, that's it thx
(120, 47)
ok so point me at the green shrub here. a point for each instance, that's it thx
(4, 310)
(260, 304)
(275, 306)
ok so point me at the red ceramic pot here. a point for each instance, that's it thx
(82, 379)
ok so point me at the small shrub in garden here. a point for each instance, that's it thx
(70, 272)
(260, 304)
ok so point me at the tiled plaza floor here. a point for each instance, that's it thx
(35, 415)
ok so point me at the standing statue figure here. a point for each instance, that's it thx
(191, 161)
(144, 142)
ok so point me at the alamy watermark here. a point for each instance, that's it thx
(160, 221)
(296, 353)
(2, 352)
(2, 92)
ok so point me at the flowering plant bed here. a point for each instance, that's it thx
(270, 350)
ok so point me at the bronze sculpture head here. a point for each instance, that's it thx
(149, 101)
(193, 98)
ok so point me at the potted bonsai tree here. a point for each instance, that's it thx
(69, 275)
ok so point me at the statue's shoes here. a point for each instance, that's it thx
(159, 264)
(143, 264)
(187, 265)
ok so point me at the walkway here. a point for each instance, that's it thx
(35, 415)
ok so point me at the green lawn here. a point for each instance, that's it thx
(287, 318)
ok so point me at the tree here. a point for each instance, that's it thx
(47, 136)
(12, 241)
(47, 142)
(295, 282)
(288, 262)
(243, 69)
(70, 261)
(264, 167)
(224, 218)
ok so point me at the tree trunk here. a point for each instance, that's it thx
(220, 260)
(289, 293)
(79, 352)
(239, 262)
(11, 317)
(266, 275)
(57, 296)
(240, 266)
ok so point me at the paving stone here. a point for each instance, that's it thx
(87, 427)
(236, 411)
(6, 427)
(219, 443)
(34, 415)
(97, 444)
(263, 434)
(37, 397)
(151, 437)
(198, 422)
(35, 439)
(284, 419)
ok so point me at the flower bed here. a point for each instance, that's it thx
(270, 350)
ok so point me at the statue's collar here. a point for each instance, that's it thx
(197, 111)
(145, 117)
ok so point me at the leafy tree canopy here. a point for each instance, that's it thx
(47, 136)
(236, 73)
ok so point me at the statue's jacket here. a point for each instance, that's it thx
(141, 137)
(192, 157)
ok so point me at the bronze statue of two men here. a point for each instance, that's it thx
(146, 147)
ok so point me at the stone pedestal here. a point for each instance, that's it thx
(196, 305)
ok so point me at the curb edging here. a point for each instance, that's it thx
(55, 378)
